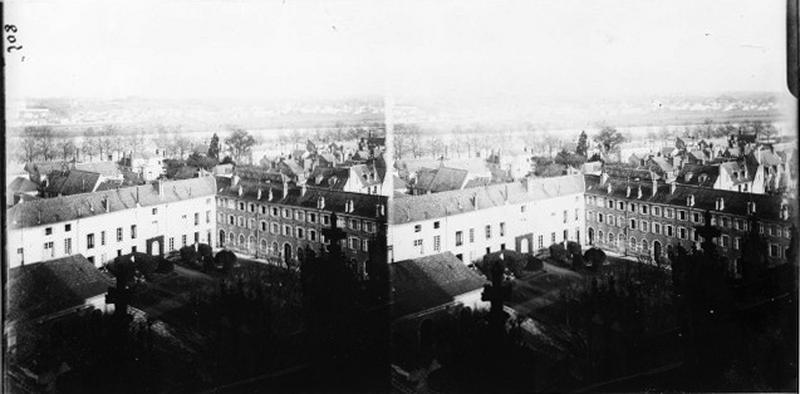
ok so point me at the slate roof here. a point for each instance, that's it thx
(476, 166)
(435, 205)
(256, 173)
(104, 168)
(58, 209)
(730, 167)
(367, 175)
(73, 182)
(440, 180)
(699, 175)
(621, 170)
(364, 205)
(767, 207)
(333, 178)
(430, 281)
(22, 185)
(40, 289)
(478, 182)
(662, 164)
(767, 157)
(45, 167)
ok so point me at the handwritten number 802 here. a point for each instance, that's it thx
(11, 38)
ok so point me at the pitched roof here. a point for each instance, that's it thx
(59, 209)
(73, 182)
(367, 175)
(256, 173)
(37, 290)
(435, 205)
(333, 178)
(364, 205)
(105, 168)
(428, 282)
(475, 165)
(46, 167)
(441, 179)
(22, 185)
(767, 207)
(699, 175)
(743, 173)
(478, 182)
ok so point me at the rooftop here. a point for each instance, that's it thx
(37, 290)
(435, 205)
(65, 208)
(431, 281)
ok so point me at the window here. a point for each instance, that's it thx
(355, 224)
(274, 211)
(119, 234)
(725, 222)
(287, 214)
(417, 228)
(600, 217)
(231, 220)
(68, 246)
(621, 205)
(566, 235)
(312, 235)
(301, 216)
(263, 226)
(669, 230)
(102, 238)
(155, 211)
(656, 211)
(436, 224)
(183, 239)
(67, 227)
(418, 243)
(737, 243)
(90, 241)
(287, 230)
(312, 217)
(241, 221)
(274, 229)
(503, 229)
(633, 224)
(565, 216)
(299, 233)
(644, 226)
(48, 249)
(264, 212)
(241, 206)
(133, 231)
(488, 231)
(364, 246)
(656, 228)
(682, 233)
(252, 207)
(774, 250)
(208, 216)
(436, 243)
(577, 214)
(196, 237)
(771, 230)
(459, 238)
(644, 210)
(611, 204)
(725, 240)
(370, 227)
(251, 223)
(633, 207)
(681, 215)
(540, 241)
(552, 238)
(471, 235)
(695, 217)
(171, 243)
(522, 209)
(669, 213)
(48, 231)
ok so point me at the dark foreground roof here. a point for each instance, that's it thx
(428, 282)
(37, 290)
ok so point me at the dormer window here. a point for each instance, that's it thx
(751, 208)
(785, 211)
(720, 204)
(690, 200)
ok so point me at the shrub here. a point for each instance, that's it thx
(189, 256)
(558, 252)
(596, 257)
(165, 266)
(533, 264)
(574, 248)
(226, 259)
(577, 262)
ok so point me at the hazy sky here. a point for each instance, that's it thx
(291, 48)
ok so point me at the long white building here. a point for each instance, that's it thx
(153, 218)
(525, 216)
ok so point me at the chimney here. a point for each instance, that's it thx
(160, 186)
(672, 187)
(258, 197)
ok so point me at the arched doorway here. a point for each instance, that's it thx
(656, 250)
(591, 236)
(251, 243)
(241, 240)
(221, 238)
(155, 248)
(524, 246)
(287, 253)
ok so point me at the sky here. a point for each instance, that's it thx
(410, 49)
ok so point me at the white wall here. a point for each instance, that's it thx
(542, 217)
(168, 221)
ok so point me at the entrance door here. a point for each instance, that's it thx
(221, 238)
(656, 250)
(591, 236)
(287, 253)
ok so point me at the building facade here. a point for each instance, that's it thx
(153, 218)
(525, 216)
(278, 221)
(643, 217)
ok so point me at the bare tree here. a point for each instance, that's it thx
(436, 147)
(29, 149)
(66, 148)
